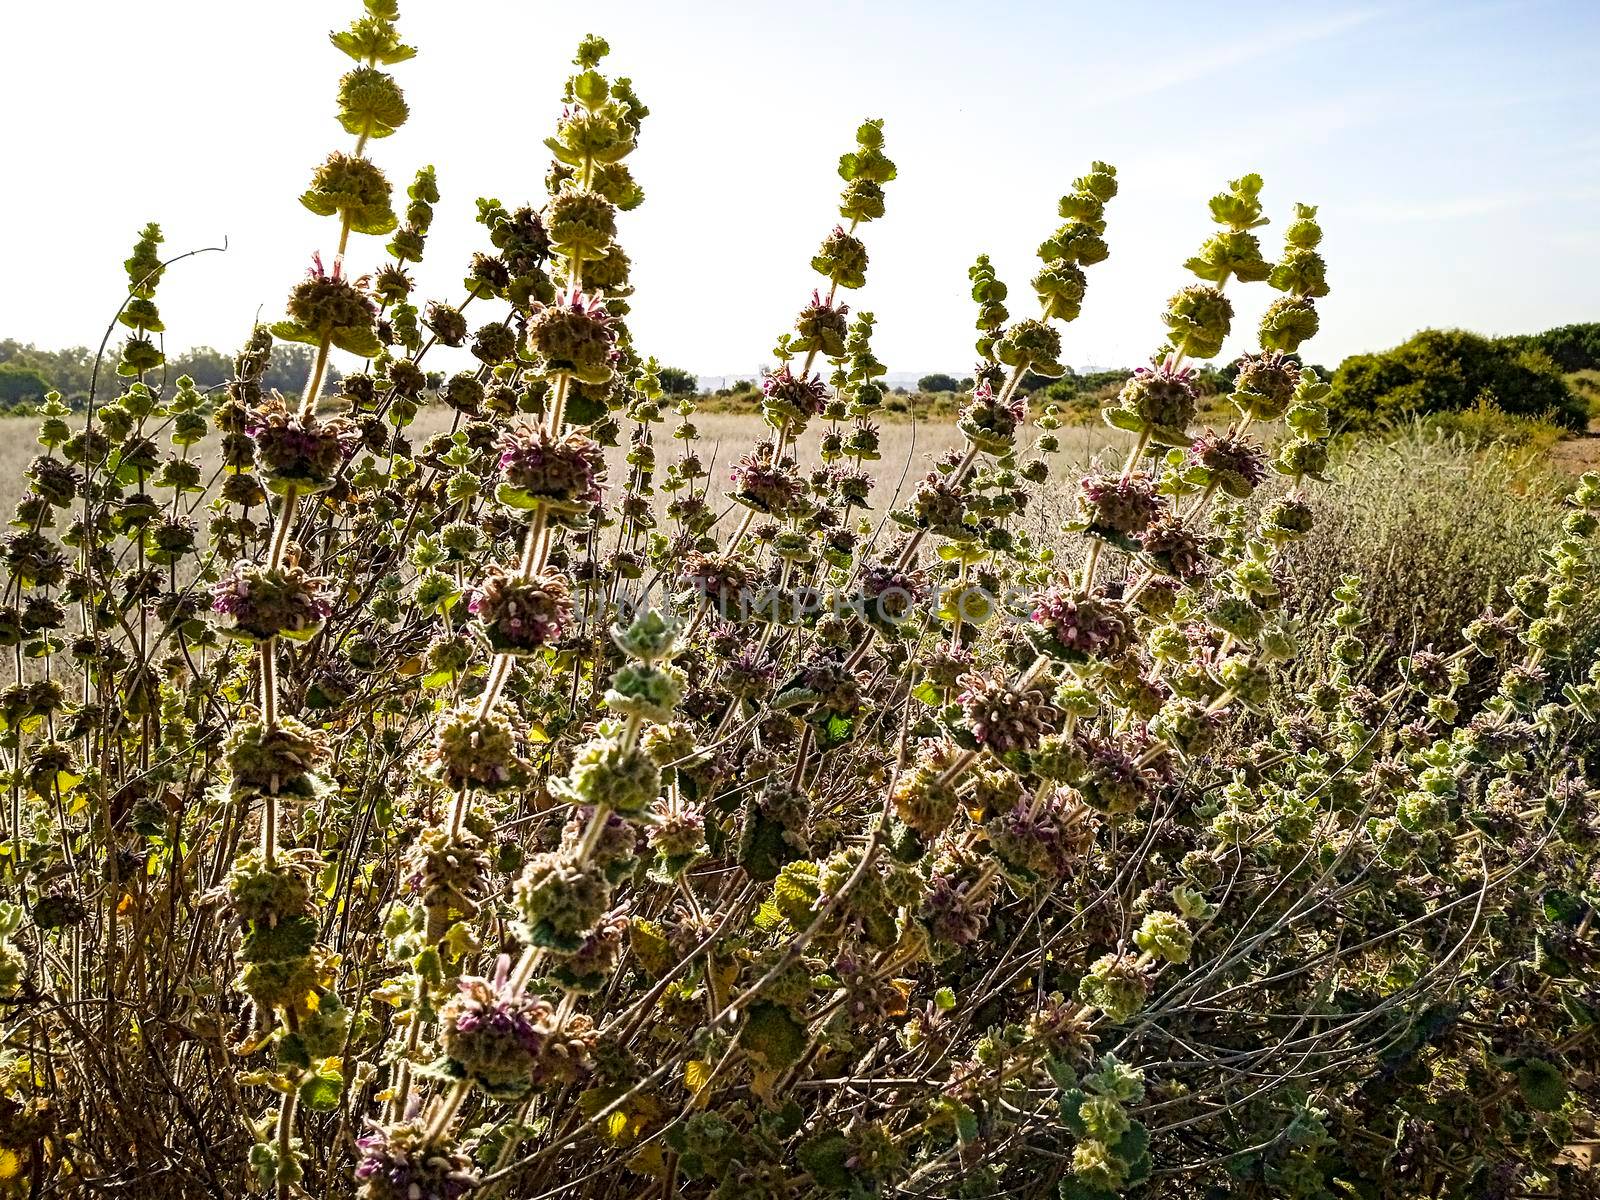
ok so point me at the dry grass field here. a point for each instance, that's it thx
(909, 449)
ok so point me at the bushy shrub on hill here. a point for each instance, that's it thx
(1570, 347)
(1447, 370)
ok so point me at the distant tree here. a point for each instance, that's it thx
(66, 371)
(742, 387)
(1447, 370)
(208, 367)
(677, 382)
(1570, 347)
(21, 385)
(291, 367)
(938, 383)
(71, 371)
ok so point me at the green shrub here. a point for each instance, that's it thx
(1447, 370)
(1586, 384)
(1436, 528)
(1485, 425)
(21, 385)
(1570, 347)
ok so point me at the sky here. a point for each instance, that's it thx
(1449, 145)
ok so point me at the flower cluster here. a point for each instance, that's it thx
(561, 474)
(261, 604)
(521, 615)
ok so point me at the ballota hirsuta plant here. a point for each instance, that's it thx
(457, 818)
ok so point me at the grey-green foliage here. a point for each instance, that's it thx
(1435, 528)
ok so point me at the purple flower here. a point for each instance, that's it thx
(1081, 624)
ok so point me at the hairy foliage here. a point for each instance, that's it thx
(461, 818)
(1437, 528)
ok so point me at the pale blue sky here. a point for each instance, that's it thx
(1450, 146)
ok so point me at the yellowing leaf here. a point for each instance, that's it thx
(649, 1161)
(696, 1074)
(762, 1083)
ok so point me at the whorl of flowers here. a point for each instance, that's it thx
(583, 972)
(295, 450)
(677, 829)
(1117, 985)
(1198, 319)
(1265, 384)
(562, 473)
(939, 506)
(264, 603)
(721, 579)
(405, 1161)
(521, 614)
(1113, 781)
(326, 307)
(646, 691)
(607, 770)
(888, 593)
(924, 796)
(558, 898)
(1118, 507)
(990, 423)
(1227, 461)
(821, 326)
(868, 998)
(790, 400)
(1002, 716)
(447, 869)
(1157, 402)
(479, 750)
(956, 906)
(767, 483)
(580, 224)
(494, 1033)
(1030, 345)
(574, 335)
(1044, 839)
(944, 665)
(270, 895)
(749, 672)
(843, 259)
(1078, 625)
(283, 967)
(275, 760)
(1173, 546)
(1289, 321)
(1166, 936)
(825, 683)
(354, 187)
